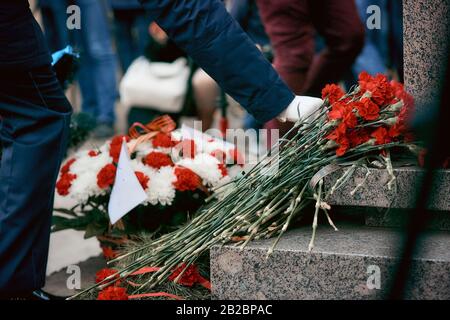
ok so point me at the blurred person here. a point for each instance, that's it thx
(34, 126)
(97, 74)
(396, 37)
(54, 18)
(131, 30)
(35, 115)
(292, 26)
(206, 90)
(383, 48)
(375, 53)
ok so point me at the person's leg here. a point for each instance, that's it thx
(206, 92)
(141, 25)
(98, 50)
(289, 26)
(339, 23)
(59, 12)
(123, 31)
(372, 58)
(34, 127)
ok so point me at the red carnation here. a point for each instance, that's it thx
(236, 157)
(190, 277)
(64, 183)
(338, 133)
(116, 146)
(108, 253)
(188, 148)
(223, 169)
(113, 293)
(66, 168)
(106, 176)
(381, 135)
(337, 111)
(163, 140)
(380, 90)
(344, 145)
(143, 179)
(105, 273)
(219, 155)
(158, 160)
(364, 79)
(93, 153)
(333, 92)
(367, 109)
(186, 180)
(358, 137)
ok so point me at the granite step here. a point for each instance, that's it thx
(375, 192)
(355, 263)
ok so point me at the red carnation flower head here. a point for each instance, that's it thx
(158, 160)
(115, 147)
(105, 273)
(339, 133)
(380, 89)
(333, 92)
(381, 135)
(187, 180)
(106, 176)
(236, 157)
(190, 277)
(93, 153)
(337, 111)
(364, 79)
(163, 140)
(223, 169)
(64, 183)
(143, 179)
(220, 155)
(349, 118)
(109, 253)
(188, 148)
(367, 109)
(344, 145)
(358, 137)
(67, 165)
(113, 293)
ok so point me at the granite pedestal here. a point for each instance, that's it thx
(343, 265)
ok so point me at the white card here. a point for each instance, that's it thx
(127, 192)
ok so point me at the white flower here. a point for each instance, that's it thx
(86, 169)
(205, 166)
(161, 189)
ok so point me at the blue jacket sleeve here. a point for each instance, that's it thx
(205, 30)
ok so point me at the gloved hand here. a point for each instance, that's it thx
(302, 108)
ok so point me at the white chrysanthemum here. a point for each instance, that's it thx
(205, 166)
(86, 168)
(161, 189)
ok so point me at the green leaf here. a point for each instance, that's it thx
(95, 229)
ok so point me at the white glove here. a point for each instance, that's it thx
(302, 108)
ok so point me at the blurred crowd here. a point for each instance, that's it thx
(310, 42)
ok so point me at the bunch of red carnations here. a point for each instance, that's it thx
(377, 112)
